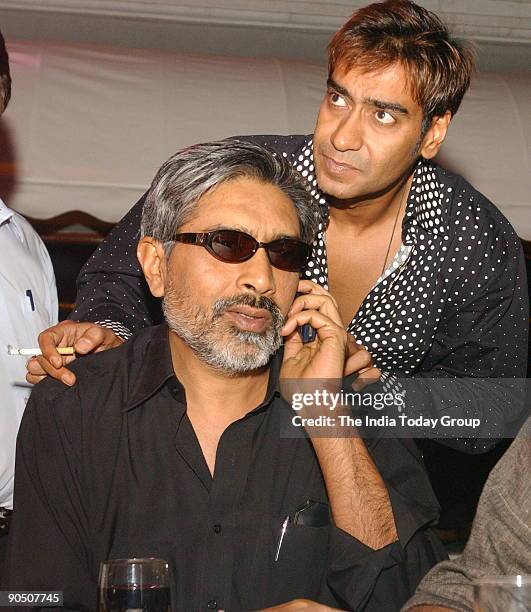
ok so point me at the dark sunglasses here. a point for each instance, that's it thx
(233, 246)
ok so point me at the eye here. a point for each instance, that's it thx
(384, 117)
(336, 99)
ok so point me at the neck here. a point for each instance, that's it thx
(370, 211)
(213, 395)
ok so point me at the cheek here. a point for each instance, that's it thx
(197, 274)
(286, 283)
(322, 126)
(394, 158)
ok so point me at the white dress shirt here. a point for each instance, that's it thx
(28, 304)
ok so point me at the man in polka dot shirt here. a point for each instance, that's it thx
(427, 273)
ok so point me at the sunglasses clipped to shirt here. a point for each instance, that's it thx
(233, 246)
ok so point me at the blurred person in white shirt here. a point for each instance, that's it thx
(28, 304)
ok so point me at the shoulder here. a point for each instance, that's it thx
(506, 499)
(472, 217)
(513, 467)
(288, 146)
(24, 242)
(25, 232)
(104, 381)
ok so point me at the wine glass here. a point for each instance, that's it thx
(134, 585)
(502, 594)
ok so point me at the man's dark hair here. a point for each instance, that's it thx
(190, 173)
(438, 67)
(5, 76)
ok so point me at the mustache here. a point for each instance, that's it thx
(254, 301)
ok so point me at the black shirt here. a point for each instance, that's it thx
(452, 304)
(111, 468)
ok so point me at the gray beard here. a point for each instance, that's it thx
(218, 343)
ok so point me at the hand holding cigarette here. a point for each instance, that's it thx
(79, 337)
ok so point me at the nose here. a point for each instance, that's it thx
(256, 274)
(348, 133)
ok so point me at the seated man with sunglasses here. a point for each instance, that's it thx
(170, 446)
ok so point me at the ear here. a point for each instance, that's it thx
(432, 141)
(150, 254)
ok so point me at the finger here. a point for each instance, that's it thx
(368, 377)
(323, 325)
(293, 346)
(62, 373)
(92, 337)
(33, 380)
(357, 361)
(330, 340)
(308, 286)
(322, 302)
(34, 367)
(353, 344)
(49, 340)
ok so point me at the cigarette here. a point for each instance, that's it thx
(62, 350)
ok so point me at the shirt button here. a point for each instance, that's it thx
(212, 604)
(217, 528)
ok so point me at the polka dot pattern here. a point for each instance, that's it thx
(453, 302)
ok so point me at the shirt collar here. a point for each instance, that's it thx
(5, 213)
(155, 369)
(425, 204)
(8, 216)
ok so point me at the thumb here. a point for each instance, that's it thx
(292, 344)
(88, 338)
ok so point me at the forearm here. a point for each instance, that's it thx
(358, 496)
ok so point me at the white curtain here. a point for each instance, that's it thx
(87, 127)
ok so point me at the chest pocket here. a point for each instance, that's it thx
(28, 303)
(34, 313)
(301, 566)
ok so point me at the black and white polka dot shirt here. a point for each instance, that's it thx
(453, 302)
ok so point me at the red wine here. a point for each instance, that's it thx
(124, 598)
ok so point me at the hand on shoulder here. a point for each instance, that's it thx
(85, 337)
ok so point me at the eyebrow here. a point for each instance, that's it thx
(394, 106)
(380, 104)
(242, 228)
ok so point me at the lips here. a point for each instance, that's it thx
(250, 319)
(338, 167)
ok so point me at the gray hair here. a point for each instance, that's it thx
(190, 173)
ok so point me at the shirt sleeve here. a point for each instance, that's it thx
(388, 577)
(376, 580)
(46, 548)
(499, 540)
(354, 568)
(476, 366)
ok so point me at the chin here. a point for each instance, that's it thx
(331, 186)
(337, 190)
